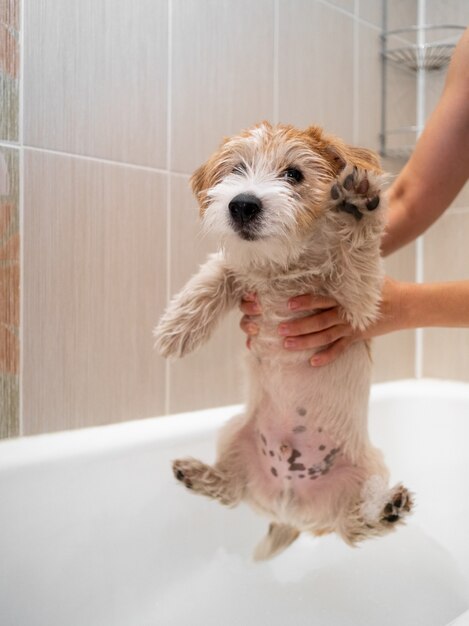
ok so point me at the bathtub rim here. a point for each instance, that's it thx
(31, 450)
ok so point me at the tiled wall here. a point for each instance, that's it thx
(445, 352)
(122, 100)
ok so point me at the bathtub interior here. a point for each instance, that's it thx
(96, 531)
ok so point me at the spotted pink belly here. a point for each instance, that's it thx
(294, 451)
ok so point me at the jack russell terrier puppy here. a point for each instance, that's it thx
(295, 211)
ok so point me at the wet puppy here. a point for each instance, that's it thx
(295, 212)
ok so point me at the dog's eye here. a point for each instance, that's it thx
(240, 168)
(292, 175)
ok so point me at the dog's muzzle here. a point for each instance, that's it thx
(245, 209)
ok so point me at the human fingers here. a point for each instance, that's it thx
(250, 304)
(248, 326)
(316, 340)
(309, 302)
(311, 324)
(332, 352)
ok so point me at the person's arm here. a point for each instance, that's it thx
(439, 166)
(404, 306)
(429, 182)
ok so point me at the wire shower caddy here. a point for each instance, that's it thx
(420, 58)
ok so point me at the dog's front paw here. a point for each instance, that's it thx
(170, 339)
(356, 191)
(399, 505)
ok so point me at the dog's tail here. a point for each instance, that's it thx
(279, 537)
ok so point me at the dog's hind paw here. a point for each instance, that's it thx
(398, 506)
(206, 480)
(356, 191)
(188, 471)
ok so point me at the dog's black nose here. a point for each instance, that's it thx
(244, 207)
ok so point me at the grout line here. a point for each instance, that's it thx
(9, 144)
(353, 14)
(95, 159)
(169, 87)
(275, 106)
(101, 160)
(335, 7)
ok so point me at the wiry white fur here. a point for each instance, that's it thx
(279, 241)
(334, 254)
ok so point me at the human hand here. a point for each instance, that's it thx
(325, 330)
(251, 308)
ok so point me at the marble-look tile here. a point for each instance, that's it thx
(95, 78)
(94, 286)
(9, 292)
(9, 69)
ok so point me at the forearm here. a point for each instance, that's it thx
(439, 166)
(435, 305)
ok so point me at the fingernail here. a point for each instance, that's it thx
(315, 361)
(256, 307)
(249, 297)
(283, 329)
(293, 305)
(252, 329)
(289, 343)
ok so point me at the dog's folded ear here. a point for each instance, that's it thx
(208, 174)
(339, 154)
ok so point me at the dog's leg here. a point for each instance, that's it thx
(215, 482)
(356, 202)
(193, 314)
(279, 537)
(378, 511)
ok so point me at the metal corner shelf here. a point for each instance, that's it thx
(419, 58)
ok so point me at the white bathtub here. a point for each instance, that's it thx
(95, 531)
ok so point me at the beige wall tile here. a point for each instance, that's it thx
(446, 351)
(394, 354)
(369, 88)
(315, 70)
(211, 376)
(401, 13)
(94, 287)
(447, 12)
(371, 11)
(446, 255)
(222, 77)
(462, 199)
(95, 78)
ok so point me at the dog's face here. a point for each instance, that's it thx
(262, 191)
